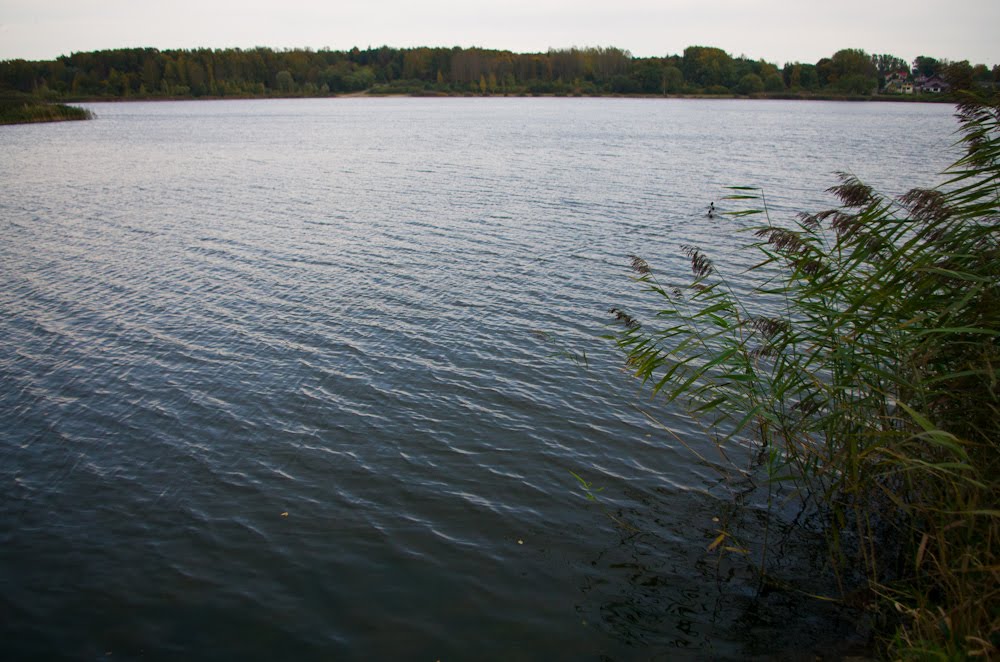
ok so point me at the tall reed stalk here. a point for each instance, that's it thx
(870, 380)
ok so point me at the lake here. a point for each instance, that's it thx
(293, 379)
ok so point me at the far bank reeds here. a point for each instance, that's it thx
(865, 363)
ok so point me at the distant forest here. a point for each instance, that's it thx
(265, 72)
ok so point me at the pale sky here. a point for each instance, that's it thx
(778, 31)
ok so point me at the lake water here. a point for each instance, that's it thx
(287, 379)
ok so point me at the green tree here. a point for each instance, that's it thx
(926, 66)
(774, 83)
(959, 75)
(886, 64)
(856, 84)
(852, 71)
(707, 66)
(416, 63)
(361, 78)
(649, 75)
(673, 80)
(151, 72)
(284, 82)
(750, 84)
(797, 76)
(981, 74)
(197, 78)
(765, 69)
(117, 84)
(824, 72)
(171, 76)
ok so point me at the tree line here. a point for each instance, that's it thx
(262, 72)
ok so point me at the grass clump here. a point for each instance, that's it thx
(22, 109)
(864, 360)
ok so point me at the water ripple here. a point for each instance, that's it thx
(289, 378)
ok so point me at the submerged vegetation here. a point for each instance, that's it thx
(863, 361)
(149, 73)
(20, 109)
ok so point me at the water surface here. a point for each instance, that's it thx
(285, 379)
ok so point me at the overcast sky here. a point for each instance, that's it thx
(778, 31)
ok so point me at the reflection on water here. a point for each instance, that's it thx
(764, 592)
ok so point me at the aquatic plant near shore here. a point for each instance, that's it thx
(865, 362)
(21, 109)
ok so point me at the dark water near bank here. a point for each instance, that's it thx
(282, 379)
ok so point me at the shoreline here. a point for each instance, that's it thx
(524, 95)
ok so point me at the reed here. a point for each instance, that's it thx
(22, 109)
(869, 378)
